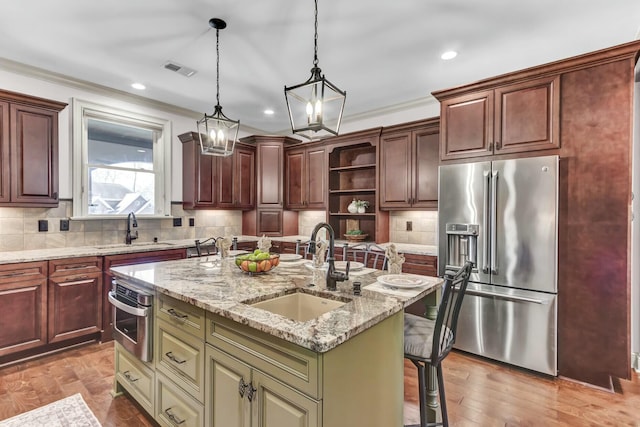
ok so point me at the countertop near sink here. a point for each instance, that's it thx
(226, 291)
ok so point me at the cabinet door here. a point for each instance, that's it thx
(425, 168)
(23, 315)
(269, 176)
(198, 174)
(466, 126)
(276, 405)
(528, 116)
(395, 170)
(269, 222)
(245, 178)
(34, 155)
(75, 306)
(295, 180)
(226, 378)
(316, 178)
(5, 175)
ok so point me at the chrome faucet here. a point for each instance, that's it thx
(210, 239)
(131, 222)
(333, 276)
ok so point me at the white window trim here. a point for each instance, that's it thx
(82, 110)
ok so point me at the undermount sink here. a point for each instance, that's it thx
(299, 306)
(133, 245)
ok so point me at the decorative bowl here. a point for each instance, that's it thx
(257, 266)
(356, 237)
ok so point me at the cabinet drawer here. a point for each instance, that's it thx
(75, 266)
(135, 377)
(10, 273)
(181, 315)
(175, 407)
(180, 357)
(294, 365)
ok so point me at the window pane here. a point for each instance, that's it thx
(113, 191)
(114, 144)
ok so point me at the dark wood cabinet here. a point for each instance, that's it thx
(29, 150)
(509, 118)
(306, 178)
(236, 179)
(210, 182)
(23, 307)
(353, 160)
(409, 165)
(74, 298)
(128, 259)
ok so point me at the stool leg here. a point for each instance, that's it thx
(422, 392)
(443, 400)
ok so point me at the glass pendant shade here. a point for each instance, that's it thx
(218, 133)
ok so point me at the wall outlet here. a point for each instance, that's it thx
(64, 225)
(192, 222)
(177, 222)
(409, 225)
(43, 225)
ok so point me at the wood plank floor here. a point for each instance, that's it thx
(479, 393)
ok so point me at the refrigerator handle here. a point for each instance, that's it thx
(514, 298)
(485, 222)
(494, 221)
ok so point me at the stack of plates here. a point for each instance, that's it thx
(402, 281)
(289, 257)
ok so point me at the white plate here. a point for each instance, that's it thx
(237, 252)
(354, 266)
(404, 281)
(290, 257)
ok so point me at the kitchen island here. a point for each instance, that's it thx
(220, 361)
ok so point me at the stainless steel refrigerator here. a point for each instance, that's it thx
(503, 216)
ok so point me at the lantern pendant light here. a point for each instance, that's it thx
(315, 106)
(218, 133)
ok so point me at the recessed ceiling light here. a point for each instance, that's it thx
(450, 54)
(141, 151)
(138, 86)
(269, 112)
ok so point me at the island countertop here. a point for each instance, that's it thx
(218, 286)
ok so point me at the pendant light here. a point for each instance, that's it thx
(218, 133)
(315, 106)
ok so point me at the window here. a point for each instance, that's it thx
(121, 162)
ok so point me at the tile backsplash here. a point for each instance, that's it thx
(19, 227)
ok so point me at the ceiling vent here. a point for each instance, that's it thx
(180, 69)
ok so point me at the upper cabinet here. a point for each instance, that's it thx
(306, 178)
(508, 118)
(28, 150)
(217, 182)
(409, 165)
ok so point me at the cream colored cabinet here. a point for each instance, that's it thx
(136, 377)
(174, 406)
(239, 395)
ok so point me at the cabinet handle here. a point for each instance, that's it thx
(177, 315)
(498, 145)
(129, 377)
(251, 392)
(174, 419)
(242, 387)
(490, 147)
(170, 355)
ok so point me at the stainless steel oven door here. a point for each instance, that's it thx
(133, 326)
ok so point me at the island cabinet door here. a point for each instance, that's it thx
(276, 405)
(227, 385)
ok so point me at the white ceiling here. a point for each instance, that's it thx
(384, 54)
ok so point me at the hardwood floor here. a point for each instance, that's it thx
(479, 393)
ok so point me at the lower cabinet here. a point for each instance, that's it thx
(239, 395)
(136, 377)
(176, 407)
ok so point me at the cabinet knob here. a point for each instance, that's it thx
(242, 386)
(490, 147)
(498, 145)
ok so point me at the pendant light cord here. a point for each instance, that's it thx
(218, 67)
(315, 38)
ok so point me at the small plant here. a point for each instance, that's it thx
(354, 232)
(362, 204)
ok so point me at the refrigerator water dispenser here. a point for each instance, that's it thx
(462, 244)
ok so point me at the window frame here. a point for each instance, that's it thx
(82, 112)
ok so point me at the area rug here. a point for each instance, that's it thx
(71, 411)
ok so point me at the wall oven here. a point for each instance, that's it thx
(133, 318)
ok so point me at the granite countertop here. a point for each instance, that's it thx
(220, 287)
(10, 257)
